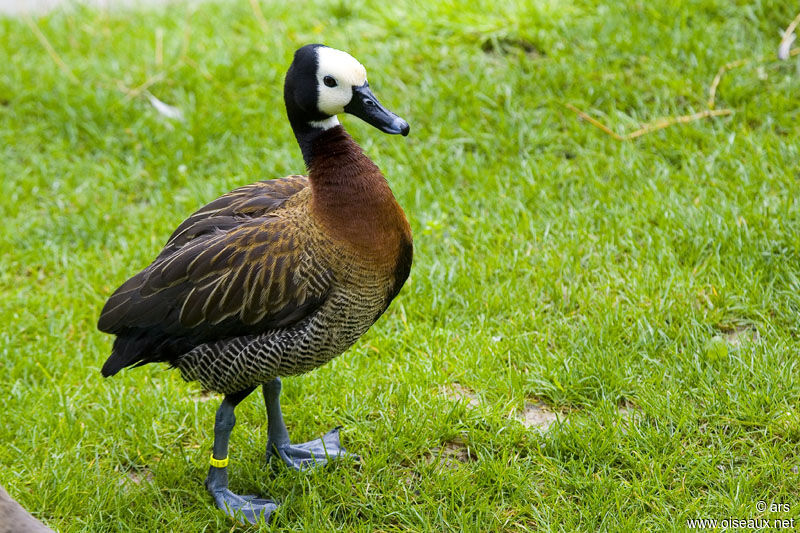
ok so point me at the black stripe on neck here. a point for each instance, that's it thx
(306, 134)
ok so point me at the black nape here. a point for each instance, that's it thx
(300, 94)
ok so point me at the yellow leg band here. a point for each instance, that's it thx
(218, 463)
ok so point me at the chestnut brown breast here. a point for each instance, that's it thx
(353, 203)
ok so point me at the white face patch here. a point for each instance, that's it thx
(345, 71)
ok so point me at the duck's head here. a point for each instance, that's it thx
(323, 82)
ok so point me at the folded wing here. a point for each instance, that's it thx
(233, 268)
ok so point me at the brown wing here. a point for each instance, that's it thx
(232, 268)
(251, 201)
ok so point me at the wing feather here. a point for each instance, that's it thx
(232, 268)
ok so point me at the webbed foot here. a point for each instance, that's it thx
(315, 453)
(248, 508)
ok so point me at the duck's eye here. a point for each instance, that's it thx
(329, 81)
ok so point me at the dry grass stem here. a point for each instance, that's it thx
(659, 124)
(712, 90)
(594, 122)
(159, 47)
(204, 73)
(259, 16)
(787, 39)
(50, 50)
(783, 53)
(130, 94)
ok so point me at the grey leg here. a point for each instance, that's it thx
(317, 452)
(250, 508)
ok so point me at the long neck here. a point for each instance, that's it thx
(335, 158)
(307, 132)
(351, 198)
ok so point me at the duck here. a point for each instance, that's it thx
(275, 278)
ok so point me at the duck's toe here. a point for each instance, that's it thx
(312, 454)
(250, 508)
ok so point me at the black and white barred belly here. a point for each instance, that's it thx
(231, 365)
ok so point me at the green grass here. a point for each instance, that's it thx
(553, 264)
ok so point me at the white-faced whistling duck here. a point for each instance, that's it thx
(278, 277)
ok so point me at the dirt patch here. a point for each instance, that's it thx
(204, 396)
(626, 410)
(537, 415)
(739, 334)
(142, 476)
(627, 417)
(411, 478)
(507, 45)
(458, 392)
(137, 476)
(451, 454)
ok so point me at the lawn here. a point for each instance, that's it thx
(645, 291)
